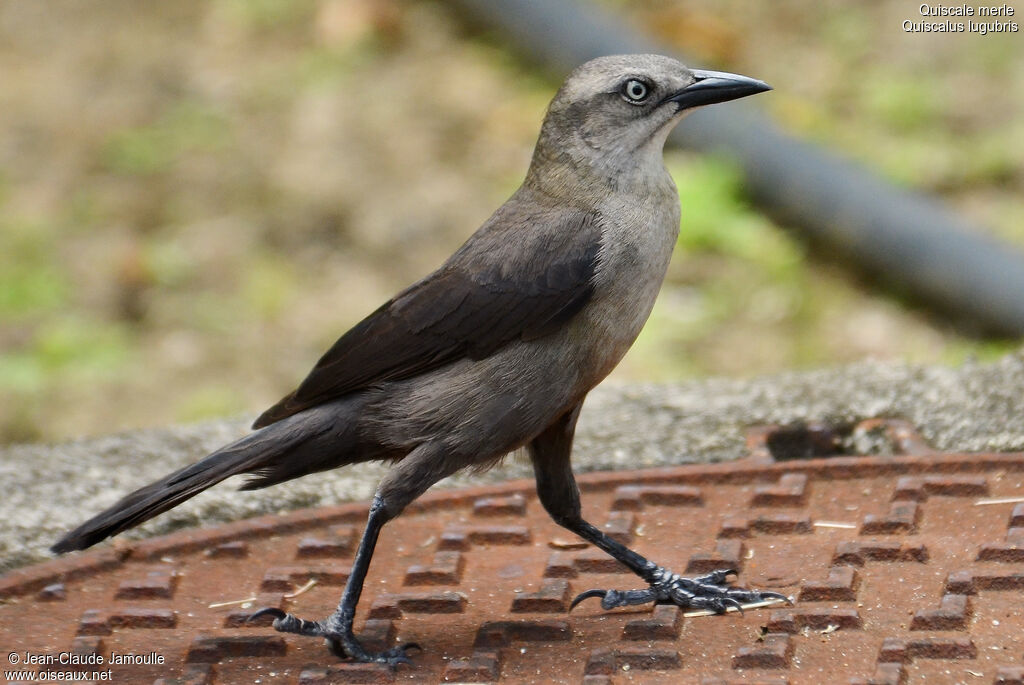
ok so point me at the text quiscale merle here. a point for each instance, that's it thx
(1003, 10)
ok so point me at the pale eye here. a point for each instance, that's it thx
(635, 91)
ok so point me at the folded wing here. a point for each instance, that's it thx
(520, 277)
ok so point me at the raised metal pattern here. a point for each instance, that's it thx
(903, 568)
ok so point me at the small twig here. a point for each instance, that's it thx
(834, 524)
(216, 605)
(305, 588)
(999, 500)
(754, 605)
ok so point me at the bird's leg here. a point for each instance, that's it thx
(336, 629)
(557, 490)
(406, 481)
(708, 591)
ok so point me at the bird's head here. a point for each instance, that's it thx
(616, 111)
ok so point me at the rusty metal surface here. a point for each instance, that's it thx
(905, 569)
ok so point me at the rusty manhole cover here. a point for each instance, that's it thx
(907, 568)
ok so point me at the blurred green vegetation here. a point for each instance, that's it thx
(188, 127)
(31, 281)
(195, 203)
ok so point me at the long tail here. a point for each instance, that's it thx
(285, 450)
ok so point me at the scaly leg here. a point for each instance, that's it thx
(557, 490)
(404, 483)
(336, 629)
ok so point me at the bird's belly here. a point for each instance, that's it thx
(480, 410)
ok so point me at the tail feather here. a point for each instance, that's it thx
(253, 453)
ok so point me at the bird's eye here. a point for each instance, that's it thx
(635, 91)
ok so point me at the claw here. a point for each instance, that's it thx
(266, 611)
(718, 576)
(733, 603)
(776, 595)
(587, 595)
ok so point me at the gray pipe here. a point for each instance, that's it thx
(909, 238)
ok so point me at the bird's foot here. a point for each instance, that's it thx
(339, 639)
(707, 592)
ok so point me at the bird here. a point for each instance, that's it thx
(496, 349)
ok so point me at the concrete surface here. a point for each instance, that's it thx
(976, 407)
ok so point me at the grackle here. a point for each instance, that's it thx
(498, 348)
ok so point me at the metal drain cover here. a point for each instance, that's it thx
(904, 568)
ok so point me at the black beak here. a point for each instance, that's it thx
(716, 86)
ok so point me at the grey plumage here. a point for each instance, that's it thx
(497, 348)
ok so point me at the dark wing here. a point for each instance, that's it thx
(520, 277)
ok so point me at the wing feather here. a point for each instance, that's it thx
(512, 280)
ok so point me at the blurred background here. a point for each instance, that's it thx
(197, 197)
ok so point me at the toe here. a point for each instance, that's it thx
(395, 659)
(336, 647)
(266, 611)
(397, 655)
(725, 603)
(587, 595)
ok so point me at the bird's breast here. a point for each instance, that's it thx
(637, 242)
